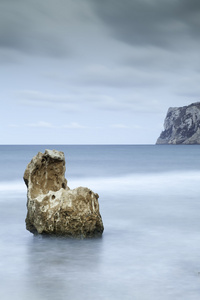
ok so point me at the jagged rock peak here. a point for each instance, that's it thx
(54, 209)
(181, 125)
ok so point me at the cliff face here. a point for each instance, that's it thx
(181, 126)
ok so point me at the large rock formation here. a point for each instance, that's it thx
(182, 125)
(54, 209)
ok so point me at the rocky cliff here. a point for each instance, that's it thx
(54, 209)
(181, 125)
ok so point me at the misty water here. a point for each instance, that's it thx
(150, 206)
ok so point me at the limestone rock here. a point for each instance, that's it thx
(182, 125)
(54, 209)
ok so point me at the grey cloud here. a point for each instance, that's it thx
(119, 76)
(40, 124)
(119, 126)
(162, 61)
(131, 104)
(87, 100)
(8, 57)
(41, 27)
(23, 28)
(74, 125)
(40, 99)
(163, 23)
(44, 124)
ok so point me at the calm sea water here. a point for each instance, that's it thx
(150, 206)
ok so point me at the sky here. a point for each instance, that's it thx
(95, 72)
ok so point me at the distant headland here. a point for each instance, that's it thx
(181, 125)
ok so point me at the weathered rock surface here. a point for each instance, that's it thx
(182, 125)
(54, 209)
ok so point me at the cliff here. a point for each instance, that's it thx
(181, 125)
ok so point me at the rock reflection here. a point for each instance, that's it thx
(59, 267)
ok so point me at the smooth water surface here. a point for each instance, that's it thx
(150, 206)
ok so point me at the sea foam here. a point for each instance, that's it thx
(12, 186)
(154, 183)
(149, 183)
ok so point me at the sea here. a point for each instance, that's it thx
(149, 197)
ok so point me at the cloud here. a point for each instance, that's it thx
(46, 28)
(122, 75)
(25, 27)
(41, 124)
(92, 100)
(74, 125)
(128, 103)
(64, 28)
(119, 126)
(166, 24)
(37, 98)
(44, 124)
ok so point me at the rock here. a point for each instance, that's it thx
(182, 125)
(54, 209)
